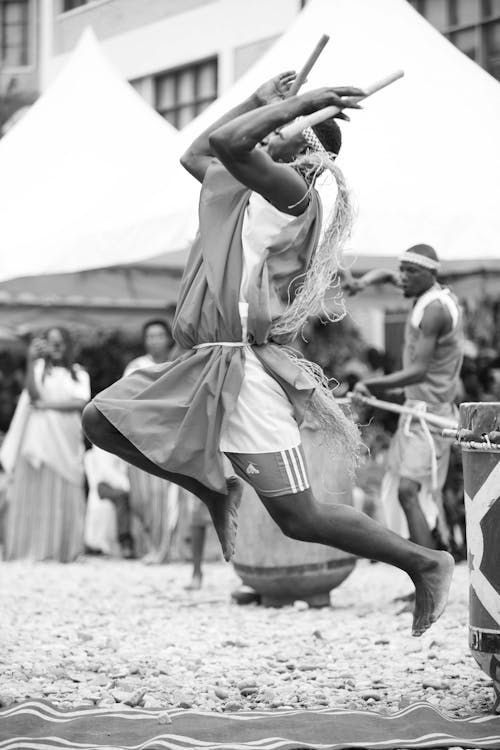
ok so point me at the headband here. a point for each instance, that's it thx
(313, 141)
(420, 260)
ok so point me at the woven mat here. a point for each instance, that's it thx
(36, 725)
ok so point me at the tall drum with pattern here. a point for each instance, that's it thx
(479, 435)
(283, 570)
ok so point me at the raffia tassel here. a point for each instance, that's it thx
(335, 429)
(323, 272)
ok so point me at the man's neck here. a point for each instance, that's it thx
(159, 358)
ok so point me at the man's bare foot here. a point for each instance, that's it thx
(224, 514)
(432, 585)
(195, 584)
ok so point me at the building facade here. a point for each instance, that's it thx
(178, 54)
(181, 54)
(471, 25)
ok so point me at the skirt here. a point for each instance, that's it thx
(45, 516)
(155, 502)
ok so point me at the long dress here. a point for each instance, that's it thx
(154, 502)
(46, 511)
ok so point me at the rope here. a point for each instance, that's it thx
(477, 445)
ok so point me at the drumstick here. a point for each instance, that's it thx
(306, 69)
(308, 121)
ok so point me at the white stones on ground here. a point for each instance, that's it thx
(127, 697)
(435, 684)
(221, 693)
(124, 644)
(164, 718)
(370, 695)
(150, 701)
(300, 606)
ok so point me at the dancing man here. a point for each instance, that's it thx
(432, 356)
(256, 272)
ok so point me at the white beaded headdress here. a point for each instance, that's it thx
(313, 141)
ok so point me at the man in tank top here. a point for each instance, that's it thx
(432, 357)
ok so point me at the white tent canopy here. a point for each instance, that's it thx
(423, 158)
(90, 176)
(86, 177)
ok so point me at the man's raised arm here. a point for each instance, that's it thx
(198, 156)
(235, 143)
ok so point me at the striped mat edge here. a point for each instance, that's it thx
(37, 725)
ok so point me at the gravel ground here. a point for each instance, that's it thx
(99, 632)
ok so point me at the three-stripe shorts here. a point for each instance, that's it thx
(273, 474)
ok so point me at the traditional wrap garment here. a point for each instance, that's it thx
(174, 412)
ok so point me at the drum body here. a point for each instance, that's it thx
(481, 463)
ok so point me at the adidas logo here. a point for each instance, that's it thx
(251, 469)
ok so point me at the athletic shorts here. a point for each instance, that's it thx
(273, 474)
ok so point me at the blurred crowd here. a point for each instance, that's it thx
(61, 497)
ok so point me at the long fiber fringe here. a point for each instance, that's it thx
(335, 428)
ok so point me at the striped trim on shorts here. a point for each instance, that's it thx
(273, 474)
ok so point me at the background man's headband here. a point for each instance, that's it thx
(419, 260)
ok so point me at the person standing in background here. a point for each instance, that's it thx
(43, 451)
(432, 357)
(153, 501)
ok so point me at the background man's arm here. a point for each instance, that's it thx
(433, 325)
(235, 145)
(200, 154)
(375, 276)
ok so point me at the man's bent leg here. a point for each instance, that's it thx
(300, 517)
(418, 527)
(223, 509)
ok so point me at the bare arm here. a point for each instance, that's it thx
(37, 350)
(235, 145)
(434, 324)
(198, 156)
(375, 276)
(68, 405)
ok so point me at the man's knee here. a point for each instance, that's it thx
(407, 492)
(94, 425)
(294, 525)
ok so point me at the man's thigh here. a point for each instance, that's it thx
(273, 475)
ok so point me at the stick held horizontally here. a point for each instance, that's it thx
(301, 123)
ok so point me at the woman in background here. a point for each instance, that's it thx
(45, 519)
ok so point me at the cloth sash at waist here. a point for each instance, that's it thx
(221, 343)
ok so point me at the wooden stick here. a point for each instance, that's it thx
(301, 123)
(433, 419)
(306, 69)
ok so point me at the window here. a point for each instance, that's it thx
(493, 49)
(72, 4)
(472, 25)
(180, 95)
(14, 19)
(466, 41)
